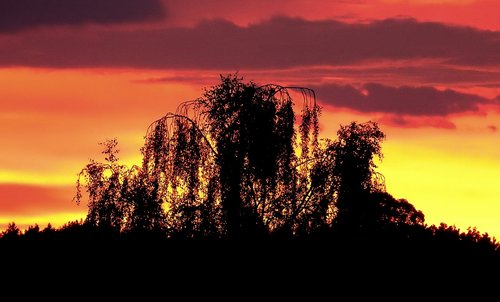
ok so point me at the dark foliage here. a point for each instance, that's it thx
(245, 162)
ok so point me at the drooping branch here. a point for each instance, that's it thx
(172, 116)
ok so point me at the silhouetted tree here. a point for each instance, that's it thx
(104, 182)
(33, 232)
(384, 209)
(12, 232)
(143, 203)
(355, 150)
(226, 163)
(120, 198)
(49, 232)
(244, 161)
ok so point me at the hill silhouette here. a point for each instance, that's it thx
(245, 162)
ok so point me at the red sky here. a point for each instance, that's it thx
(74, 73)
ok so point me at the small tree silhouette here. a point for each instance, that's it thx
(33, 232)
(355, 150)
(104, 183)
(120, 198)
(12, 232)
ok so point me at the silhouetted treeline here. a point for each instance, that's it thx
(246, 162)
(421, 239)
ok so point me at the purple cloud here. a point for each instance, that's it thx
(278, 43)
(404, 100)
(16, 15)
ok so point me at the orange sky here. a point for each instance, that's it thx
(431, 81)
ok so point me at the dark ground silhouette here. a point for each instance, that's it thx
(244, 163)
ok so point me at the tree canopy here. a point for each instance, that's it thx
(244, 160)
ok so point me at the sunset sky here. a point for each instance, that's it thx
(76, 72)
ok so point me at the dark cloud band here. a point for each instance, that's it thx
(16, 15)
(277, 43)
(404, 100)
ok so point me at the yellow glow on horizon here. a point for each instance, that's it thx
(56, 178)
(35, 178)
(457, 189)
(56, 219)
(452, 176)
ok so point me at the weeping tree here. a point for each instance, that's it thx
(243, 160)
(234, 163)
